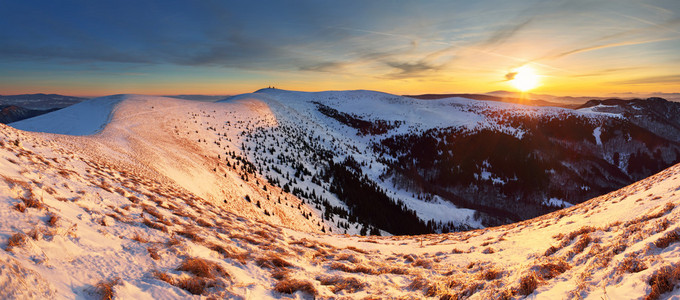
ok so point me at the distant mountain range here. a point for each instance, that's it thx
(40, 101)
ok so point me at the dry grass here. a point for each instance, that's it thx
(339, 283)
(527, 284)
(139, 238)
(663, 281)
(230, 252)
(153, 252)
(154, 225)
(290, 286)
(631, 264)
(20, 207)
(489, 274)
(16, 240)
(194, 285)
(192, 234)
(667, 239)
(580, 245)
(31, 202)
(105, 288)
(203, 268)
(551, 269)
(52, 220)
(272, 261)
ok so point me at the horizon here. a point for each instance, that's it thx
(567, 48)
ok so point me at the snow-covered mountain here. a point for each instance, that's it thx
(40, 101)
(152, 197)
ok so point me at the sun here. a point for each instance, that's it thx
(525, 78)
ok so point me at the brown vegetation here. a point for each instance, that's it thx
(290, 286)
(663, 281)
(105, 288)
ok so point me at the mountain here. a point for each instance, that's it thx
(208, 98)
(453, 163)
(172, 199)
(13, 113)
(514, 98)
(40, 101)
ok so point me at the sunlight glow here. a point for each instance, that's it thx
(525, 79)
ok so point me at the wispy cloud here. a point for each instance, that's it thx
(666, 79)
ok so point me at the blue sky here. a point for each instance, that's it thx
(224, 47)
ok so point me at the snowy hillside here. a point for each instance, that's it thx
(454, 163)
(173, 199)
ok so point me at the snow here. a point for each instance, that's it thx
(150, 149)
(555, 202)
(84, 118)
(596, 133)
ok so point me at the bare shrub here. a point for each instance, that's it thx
(290, 286)
(105, 288)
(663, 281)
(203, 268)
(16, 240)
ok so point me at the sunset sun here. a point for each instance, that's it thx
(525, 78)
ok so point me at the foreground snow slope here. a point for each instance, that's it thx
(123, 211)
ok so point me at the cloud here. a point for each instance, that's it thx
(666, 79)
(510, 76)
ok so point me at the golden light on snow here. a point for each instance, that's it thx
(524, 78)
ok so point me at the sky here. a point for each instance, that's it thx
(575, 47)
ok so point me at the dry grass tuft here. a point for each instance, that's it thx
(192, 234)
(154, 225)
(631, 264)
(139, 238)
(105, 288)
(272, 261)
(31, 202)
(339, 283)
(581, 245)
(153, 252)
(667, 239)
(203, 268)
(527, 284)
(551, 269)
(489, 274)
(290, 286)
(17, 240)
(663, 281)
(52, 220)
(195, 285)
(20, 207)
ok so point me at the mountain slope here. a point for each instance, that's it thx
(120, 210)
(455, 163)
(40, 101)
(13, 113)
